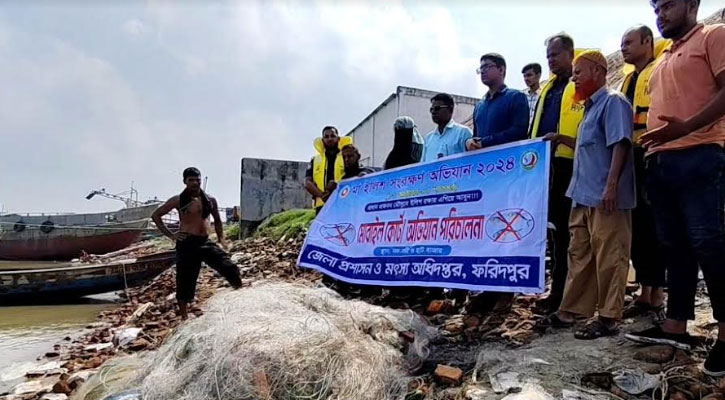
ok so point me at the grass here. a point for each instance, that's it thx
(286, 224)
(231, 232)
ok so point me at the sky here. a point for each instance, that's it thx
(102, 94)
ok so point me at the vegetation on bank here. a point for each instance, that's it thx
(287, 224)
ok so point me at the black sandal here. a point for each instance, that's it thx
(636, 309)
(595, 330)
(553, 321)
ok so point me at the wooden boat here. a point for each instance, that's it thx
(64, 237)
(75, 280)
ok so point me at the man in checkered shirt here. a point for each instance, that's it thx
(532, 78)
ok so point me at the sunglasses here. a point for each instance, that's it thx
(435, 109)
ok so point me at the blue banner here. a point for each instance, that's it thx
(471, 221)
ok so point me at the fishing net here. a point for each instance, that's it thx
(285, 341)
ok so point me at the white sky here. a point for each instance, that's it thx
(101, 95)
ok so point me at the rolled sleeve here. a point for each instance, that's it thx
(463, 137)
(618, 121)
(715, 45)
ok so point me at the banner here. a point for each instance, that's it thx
(474, 221)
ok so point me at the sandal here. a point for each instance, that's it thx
(658, 314)
(636, 309)
(594, 330)
(553, 321)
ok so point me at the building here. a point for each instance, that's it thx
(373, 136)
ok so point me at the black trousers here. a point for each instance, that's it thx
(559, 210)
(190, 253)
(646, 252)
(687, 190)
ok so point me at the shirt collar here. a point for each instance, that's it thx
(597, 96)
(530, 92)
(489, 95)
(449, 125)
(685, 38)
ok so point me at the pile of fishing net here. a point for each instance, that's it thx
(278, 341)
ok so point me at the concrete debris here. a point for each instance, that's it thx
(138, 313)
(448, 374)
(98, 347)
(48, 368)
(125, 336)
(512, 354)
(28, 387)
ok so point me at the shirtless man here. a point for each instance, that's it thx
(192, 241)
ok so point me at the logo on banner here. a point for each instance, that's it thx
(509, 226)
(529, 160)
(340, 234)
(345, 192)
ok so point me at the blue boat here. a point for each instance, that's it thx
(76, 280)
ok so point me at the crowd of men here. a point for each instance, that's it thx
(638, 173)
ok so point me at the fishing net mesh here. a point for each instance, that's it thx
(284, 341)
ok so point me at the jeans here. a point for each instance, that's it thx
(687, 191)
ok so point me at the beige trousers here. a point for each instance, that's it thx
(599, 253)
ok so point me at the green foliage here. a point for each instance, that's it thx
(231, 232)
(286, 224)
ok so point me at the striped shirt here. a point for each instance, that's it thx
(532, 98)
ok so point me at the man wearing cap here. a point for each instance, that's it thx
(602, 194)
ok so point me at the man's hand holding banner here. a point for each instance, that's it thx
(472, 221)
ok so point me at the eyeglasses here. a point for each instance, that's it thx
(485, 67)
(435, 109)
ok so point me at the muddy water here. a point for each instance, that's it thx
(27, 332)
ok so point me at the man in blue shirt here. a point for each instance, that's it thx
(450, 137)
(603, 196)
(502, 116)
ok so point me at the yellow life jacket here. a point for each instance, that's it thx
(640, 106)
(570, 116)
(319, 165)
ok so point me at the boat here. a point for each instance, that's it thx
(75, 280)
(67, 236)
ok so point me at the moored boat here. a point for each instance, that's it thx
(63, 237)
(76, 280)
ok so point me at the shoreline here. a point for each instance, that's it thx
(144, 320)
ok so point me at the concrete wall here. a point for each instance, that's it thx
(268, 187)
(383, 135)
(374, 135)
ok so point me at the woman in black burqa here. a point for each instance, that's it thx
(407, 145)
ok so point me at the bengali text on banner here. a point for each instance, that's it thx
(472, 221)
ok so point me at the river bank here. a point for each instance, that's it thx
(477, 355)
(29, 331)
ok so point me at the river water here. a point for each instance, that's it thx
(27, 332)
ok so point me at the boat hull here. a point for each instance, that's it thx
(66, 243)
(24, 286)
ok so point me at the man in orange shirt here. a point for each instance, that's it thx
(686, 171)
